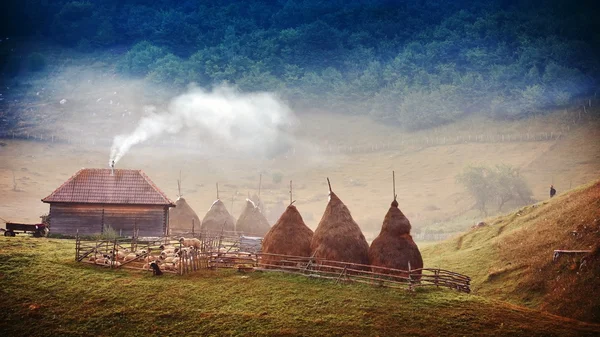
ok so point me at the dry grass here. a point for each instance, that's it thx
(512, 258)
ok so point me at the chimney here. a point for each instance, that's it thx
(112, 168)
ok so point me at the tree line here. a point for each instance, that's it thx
(416, 64)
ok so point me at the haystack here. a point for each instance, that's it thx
(182, 218)
(252, 221)
(218, 218)
(289, 236)
(394, 246)
(338, 237)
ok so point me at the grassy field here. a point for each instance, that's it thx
(511, 259)
(45, 293)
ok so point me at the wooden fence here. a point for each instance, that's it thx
(226, 254)
(106, 253)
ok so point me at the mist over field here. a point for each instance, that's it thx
(303, 90)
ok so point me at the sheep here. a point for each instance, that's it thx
(168, 247)
(120, 255)
(130, 257)
(163, 255)
(168, 266)
(187, 250)
(141, 252)
(113, 263)
(191, 243)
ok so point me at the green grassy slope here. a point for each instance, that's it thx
(45, 293)
(511, 258)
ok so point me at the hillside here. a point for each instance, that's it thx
(511, 258)
(45, 293)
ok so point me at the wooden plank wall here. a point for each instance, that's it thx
(68, 218)
(90, 219)
(149, 220)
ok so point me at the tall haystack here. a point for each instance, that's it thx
(338, 236)
(289, 236)
(252, 221)
(182, 218)
(394, 246)
(218, 218)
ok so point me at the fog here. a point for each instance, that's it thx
(222, 135)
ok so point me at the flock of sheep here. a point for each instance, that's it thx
(169, 258)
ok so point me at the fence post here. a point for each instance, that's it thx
(77, 246)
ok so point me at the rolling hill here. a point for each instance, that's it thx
(511, 258)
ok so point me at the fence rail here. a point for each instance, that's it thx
(226, 254)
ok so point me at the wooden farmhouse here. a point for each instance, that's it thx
(125, 200)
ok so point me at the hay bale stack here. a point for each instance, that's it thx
(181, 217)
(338, 237)
(218, 219)
(252, 221)
(289, 236)
(394, 246)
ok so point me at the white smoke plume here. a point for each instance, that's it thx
(244, 121)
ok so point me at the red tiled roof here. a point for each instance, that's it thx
(100, 186)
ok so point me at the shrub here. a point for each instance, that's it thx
(168, 70)
(498, 185)
(108, 233)
(140, 58)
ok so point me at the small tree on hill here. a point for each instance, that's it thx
(497, 185)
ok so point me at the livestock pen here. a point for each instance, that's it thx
(227, 251)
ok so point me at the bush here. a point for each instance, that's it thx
(36, 62)
(498, 185)
(169, 70)
(140, 58)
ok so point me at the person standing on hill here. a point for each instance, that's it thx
(552, 191)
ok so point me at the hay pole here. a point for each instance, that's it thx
(179, 195)
(291, 198)
(329, 184)
(259, 186)
(394, 184)
(217, 190)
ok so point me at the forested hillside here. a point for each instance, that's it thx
(415, 63)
